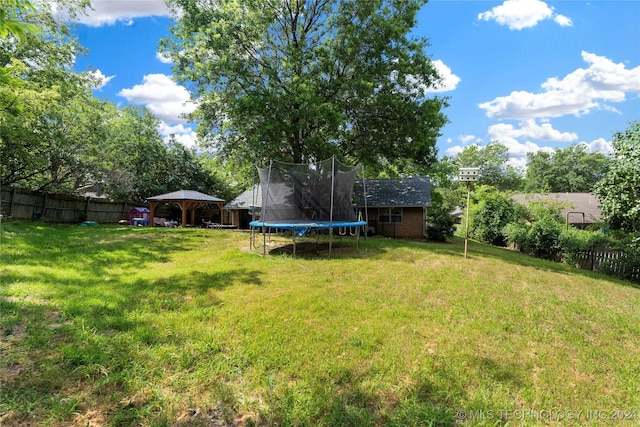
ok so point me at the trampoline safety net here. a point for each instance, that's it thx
(298, 193)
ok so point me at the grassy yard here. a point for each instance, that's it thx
(131, 326)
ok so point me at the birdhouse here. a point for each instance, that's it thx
(469, 174)
(139, 216)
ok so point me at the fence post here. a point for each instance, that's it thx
(124, 210)
(86, 207)
(12, 203)
(44, 205)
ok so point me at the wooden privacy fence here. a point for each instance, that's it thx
(613, 263)
(61, 208)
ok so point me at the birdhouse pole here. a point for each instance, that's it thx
(468, 175)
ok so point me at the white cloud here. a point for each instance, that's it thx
(529, 129)
(518, 150)
(454, 151)
(108, 12)
(599, 145)
(519, 14)
(448, 80)
(100, 79)
(511, 136)
(563, 21)
(183, 134)
(167, 100)
(577, 93)
(467, 139)
(163, 58)
(416, 86)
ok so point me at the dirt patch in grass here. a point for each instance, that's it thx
(10, 336)
(313, 249)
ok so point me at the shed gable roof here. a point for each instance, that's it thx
(246, 199)
(406, 192)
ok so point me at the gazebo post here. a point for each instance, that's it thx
(152, 208)
(192, 205)
(183, 207)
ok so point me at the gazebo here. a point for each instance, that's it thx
(185, 199)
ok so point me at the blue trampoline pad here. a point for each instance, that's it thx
(306, 225)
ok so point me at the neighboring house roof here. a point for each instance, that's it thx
(407, 192)
(246, 199)
(181, 195)
(577, 202)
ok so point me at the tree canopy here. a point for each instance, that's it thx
(619, 190)
(300, 80)
(570, 170)
(55, 135)
(43, 104)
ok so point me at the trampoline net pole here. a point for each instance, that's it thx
(333, 173)
(366, 211)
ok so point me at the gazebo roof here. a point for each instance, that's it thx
(182, 195)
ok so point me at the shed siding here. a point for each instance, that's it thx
(412, 225)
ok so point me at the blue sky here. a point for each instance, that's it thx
(532, 74)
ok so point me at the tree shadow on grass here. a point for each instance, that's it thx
(346, 400)
(89, 346)
(316, 250)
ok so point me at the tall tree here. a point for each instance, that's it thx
(12, 28)
(137, 163)
(45, 115)
(300, 80)
(619, 190)
(492, 159)
(570, 170)
(10, 23)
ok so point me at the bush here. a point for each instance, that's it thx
(574, 243)
(516, 234)
(490, 215)
(544, 238)
(627, 266)
(540, 239)
(440, 224)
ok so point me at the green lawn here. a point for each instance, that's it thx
(133, 326)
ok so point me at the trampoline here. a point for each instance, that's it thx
(304, 198)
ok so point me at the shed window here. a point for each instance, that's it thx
(390, 215)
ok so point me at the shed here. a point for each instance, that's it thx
(244, 206)
(139, 216)
(396, 207)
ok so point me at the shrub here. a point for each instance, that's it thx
(516, 234)
(440, 224)
(491, 214)
(628, 265)
(575, 242)
(543, 238)
(540, 238)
